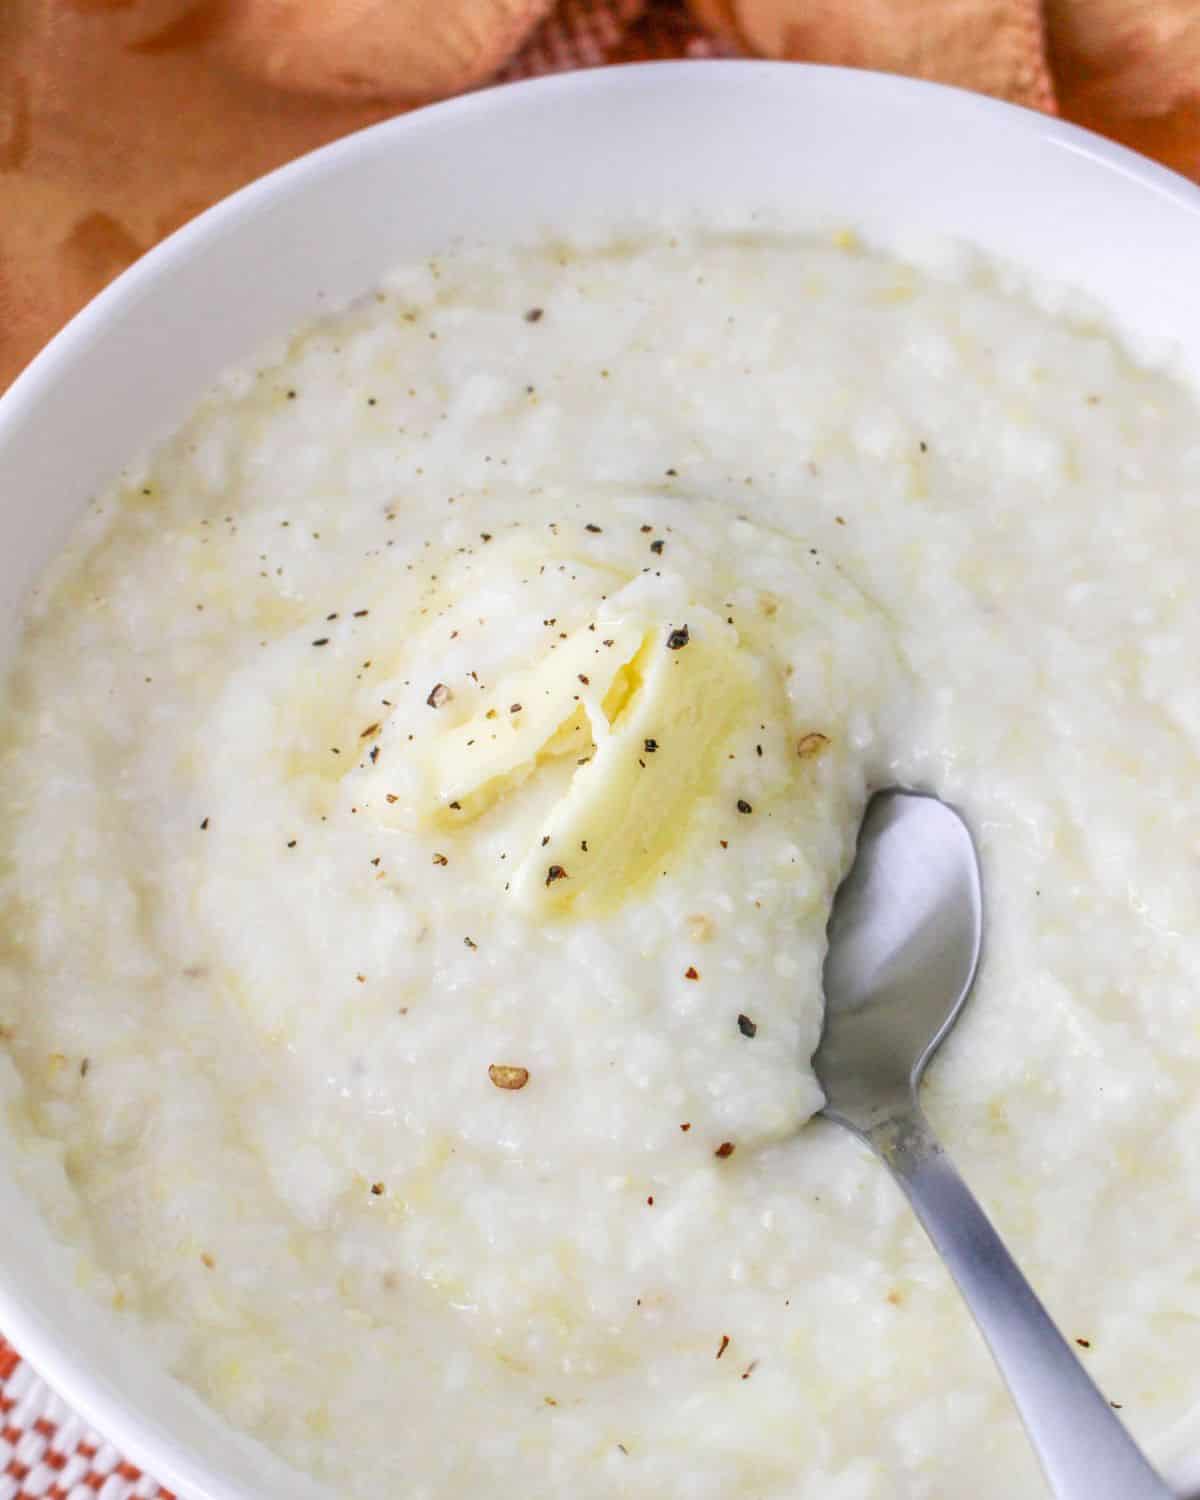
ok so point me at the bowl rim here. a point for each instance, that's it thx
(33, 382)
(68, 1374)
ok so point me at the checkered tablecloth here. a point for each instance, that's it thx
(47, 1452)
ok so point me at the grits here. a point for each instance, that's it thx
(423, 783)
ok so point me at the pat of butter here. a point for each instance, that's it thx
(636, 703)
(629, 804)
(552, 708)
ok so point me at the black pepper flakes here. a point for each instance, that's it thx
(657, 546)
(724, 1345)
(743, 806)
(321, 641)
(439, 694)
(650, 746)
(535, 314)
(746, 1026)
(591, 526)
(678, 639)
(556, 872)
(204, 826)
(725, 1150)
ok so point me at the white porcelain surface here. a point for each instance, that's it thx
(798, 147)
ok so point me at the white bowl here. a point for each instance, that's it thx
(787, 145)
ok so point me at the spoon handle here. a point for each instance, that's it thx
(1083, 1446)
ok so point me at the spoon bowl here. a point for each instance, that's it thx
(904, 944)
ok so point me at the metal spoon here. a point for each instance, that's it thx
(904, 943)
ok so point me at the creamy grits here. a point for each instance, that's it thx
(423, 783)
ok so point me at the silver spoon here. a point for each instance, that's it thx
(904, 943)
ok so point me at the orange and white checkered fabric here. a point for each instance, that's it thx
(48, 1453)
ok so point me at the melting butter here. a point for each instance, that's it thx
(630, 802)
(553, 708)
(631, 706)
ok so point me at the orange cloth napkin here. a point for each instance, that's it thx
(120, 119)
